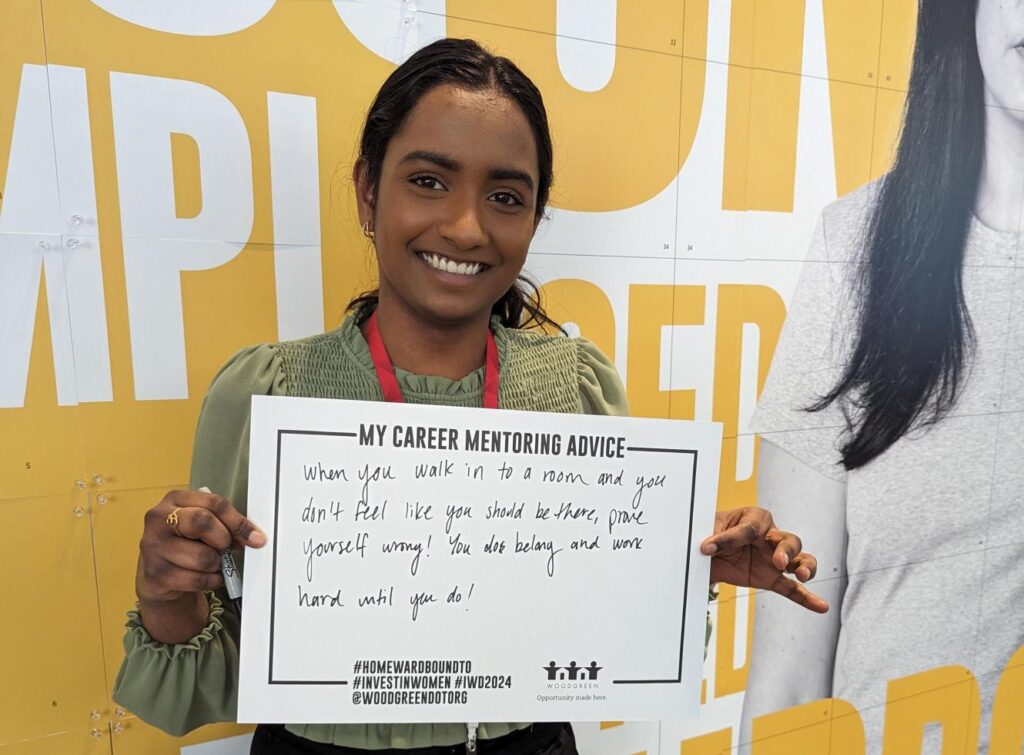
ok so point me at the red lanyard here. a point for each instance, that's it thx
(386, 371)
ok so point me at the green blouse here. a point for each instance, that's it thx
(180, 687)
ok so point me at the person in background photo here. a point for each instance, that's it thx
(452, 180)
(891, 421)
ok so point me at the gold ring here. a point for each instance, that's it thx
(172, 521)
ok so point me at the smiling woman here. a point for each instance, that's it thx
(453, 210)
(451, 183)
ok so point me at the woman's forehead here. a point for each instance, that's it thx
(475, 128)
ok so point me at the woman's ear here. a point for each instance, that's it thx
(364, 191)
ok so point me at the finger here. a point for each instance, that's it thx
(196, 523)
(192, 555)
(799, 594)
(171, 578)
(803, 567)
(241, 528)
(723, 520)
(787, 547)
(749, 527)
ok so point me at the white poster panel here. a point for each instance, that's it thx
(438, 564)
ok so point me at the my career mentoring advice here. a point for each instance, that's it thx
(492, 441)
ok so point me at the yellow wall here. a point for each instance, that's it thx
(704, 99)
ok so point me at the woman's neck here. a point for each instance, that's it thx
(427, 348)
(1001, 188)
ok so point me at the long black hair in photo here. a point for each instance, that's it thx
(914, 339)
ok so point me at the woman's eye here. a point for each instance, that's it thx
(426, 182)
(507, 198)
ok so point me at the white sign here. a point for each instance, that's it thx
(438, 564)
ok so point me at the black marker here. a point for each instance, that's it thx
(230, 571)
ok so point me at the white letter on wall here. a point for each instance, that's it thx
(199, 18)
(585, 42)
(37, 209)
(157, 244)
(295, 194)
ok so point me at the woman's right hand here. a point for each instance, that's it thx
(177, 564)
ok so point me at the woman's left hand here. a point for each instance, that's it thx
(747, 549)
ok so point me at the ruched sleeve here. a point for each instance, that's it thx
(220, 455)
(601, 388)
(180, 687)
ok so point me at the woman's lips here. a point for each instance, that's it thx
(447, 265)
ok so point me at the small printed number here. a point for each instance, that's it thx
(28, 465)
(665, 246)
(672, 42)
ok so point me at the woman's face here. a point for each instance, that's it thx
(454, 208)
(1000, 35)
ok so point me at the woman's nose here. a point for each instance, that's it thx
(463, 227)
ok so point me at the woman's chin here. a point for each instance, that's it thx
(454, 313)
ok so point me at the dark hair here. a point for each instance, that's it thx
(914, 337)
(465, 64)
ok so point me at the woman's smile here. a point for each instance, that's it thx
(448, 266)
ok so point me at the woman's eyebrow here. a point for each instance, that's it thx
(448, 163)
(440, 160)
(511, 174)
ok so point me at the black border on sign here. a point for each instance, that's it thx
(273, 574)
(686, 574)
(273, 579)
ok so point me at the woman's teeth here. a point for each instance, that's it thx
(446, 265)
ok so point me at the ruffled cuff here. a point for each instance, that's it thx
(178, 688)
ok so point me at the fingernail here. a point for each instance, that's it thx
(786, 556)
(709, 549)
(257, 538)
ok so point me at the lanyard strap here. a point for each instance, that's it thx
(386, 371)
